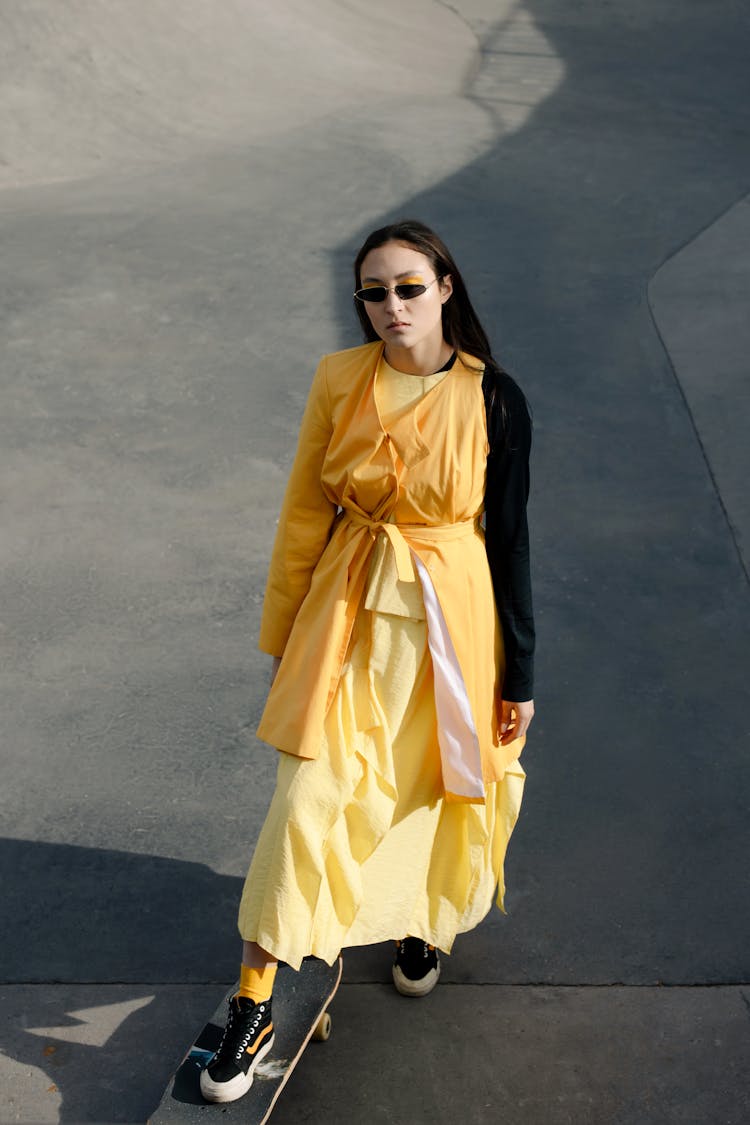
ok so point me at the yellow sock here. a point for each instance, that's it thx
(257, 984)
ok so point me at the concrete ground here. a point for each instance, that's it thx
(182, 193)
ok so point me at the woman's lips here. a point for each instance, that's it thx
(396, 325)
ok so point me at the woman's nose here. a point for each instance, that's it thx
(392, 300)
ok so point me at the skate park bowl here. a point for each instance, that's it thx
(183, 187)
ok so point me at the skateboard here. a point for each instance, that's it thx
(300, 1013)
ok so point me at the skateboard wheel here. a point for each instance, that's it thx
(322, 1028)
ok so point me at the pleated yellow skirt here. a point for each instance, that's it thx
(359, 845)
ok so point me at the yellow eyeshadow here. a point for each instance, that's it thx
(415, 280)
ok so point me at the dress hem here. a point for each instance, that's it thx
(275, 949)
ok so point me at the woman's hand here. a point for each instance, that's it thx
(514, 719)
(275, 665)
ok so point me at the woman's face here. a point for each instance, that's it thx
(405, 323)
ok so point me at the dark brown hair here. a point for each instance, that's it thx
(461, 326)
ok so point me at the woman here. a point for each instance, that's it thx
(399, 701)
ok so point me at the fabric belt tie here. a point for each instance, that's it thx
(424, 533)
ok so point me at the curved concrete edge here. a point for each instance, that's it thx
(699, 302)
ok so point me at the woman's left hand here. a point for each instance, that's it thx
(514, 720)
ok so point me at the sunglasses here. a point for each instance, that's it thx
(405, 292)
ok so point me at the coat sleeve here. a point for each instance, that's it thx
(304, 524)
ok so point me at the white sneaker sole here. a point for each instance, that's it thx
(415, 987)
(236, 1087)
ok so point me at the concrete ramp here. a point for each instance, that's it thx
(184, 185)
(91, 85)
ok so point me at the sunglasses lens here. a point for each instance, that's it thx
(374, 293)
(378, 293)
(406, 292)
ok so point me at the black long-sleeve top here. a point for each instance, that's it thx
(507, 531)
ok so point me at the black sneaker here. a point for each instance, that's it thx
(416, 968)
(248, 1037)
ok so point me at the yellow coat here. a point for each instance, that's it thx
(343, 495)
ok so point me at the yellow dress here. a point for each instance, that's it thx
(360, 844)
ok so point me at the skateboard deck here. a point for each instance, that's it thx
(300, 1002)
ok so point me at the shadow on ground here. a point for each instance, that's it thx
(87, 914)
(86, 922)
